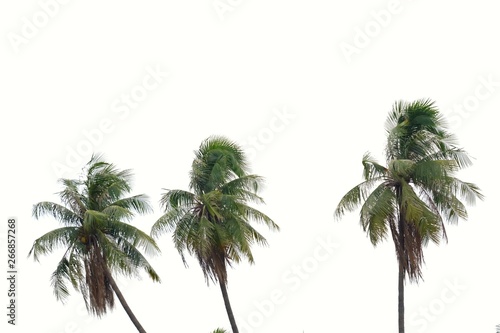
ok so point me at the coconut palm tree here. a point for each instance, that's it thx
(96, 238)
(415, 192)
(213, 221)
(219, 330)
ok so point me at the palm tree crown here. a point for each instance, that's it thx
(213, 222)
(418, 185)
(95, 235)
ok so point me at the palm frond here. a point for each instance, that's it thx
(371, 168)
(134, 258)
(177, 198)
(221, 330)
(92, 220)
(62, 214)
(59, 278)
(137, 203)
(122, 231)
(355, 197)
(244, 187)
(52, 240)
(469, 191)
(71, 197)
(377, 210)
(217, 161)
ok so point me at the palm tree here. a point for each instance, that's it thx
(219, 330)
(213, 221)
(96, 237)
(415, 192)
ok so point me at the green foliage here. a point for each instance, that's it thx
(95, 234)
(213, 221)
(417, 190)
(220, 330)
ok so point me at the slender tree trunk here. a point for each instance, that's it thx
(123, 302)
(401, 300)
(228, 307)
(402, 259)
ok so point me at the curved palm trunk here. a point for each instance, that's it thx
(228, 307)
(123, 302)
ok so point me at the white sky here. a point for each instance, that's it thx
(231, 77)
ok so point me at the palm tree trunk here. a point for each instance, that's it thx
(401, 277)
(228, 307)
(123, 302)
(401, 300)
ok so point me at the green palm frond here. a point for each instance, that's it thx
(139, 239)
(168, 221)
(355, 197)
(59, 278)
(469, 191)
(377, 209)
(217, 161)
(93, 220)
(60, 213)
(52, 240)
(132, 261)
(178, 198)
(433, 172)
(244, 188)
(371, 168)
(118, 213)
(418, 213)
(221, 330)
(251, 214)
(71, 197)
(137, 203)
(451, 153)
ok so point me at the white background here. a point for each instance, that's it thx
(229, 74)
